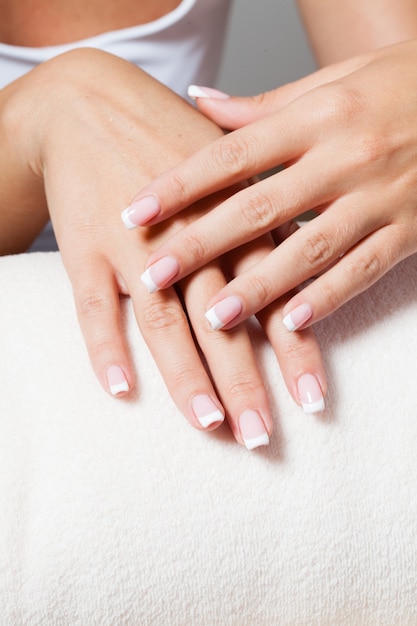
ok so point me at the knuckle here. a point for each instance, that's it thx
(318, 249)
(330, 295)
(196, 247)
(181, 374)
(344, 107)
(179, 189)
(243, 384)
(159, 316)
(262, 104)
(101, 343)
(92, 303)
(367, 268)
(232, 153)
(258, 211)
(263, 101)
(371, 148)
(261, 289)
(342, 104)
(297, 351)
(295, 348)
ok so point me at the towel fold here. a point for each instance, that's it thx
(118, 513)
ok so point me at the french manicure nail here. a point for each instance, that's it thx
(298, 316)
(252, 429)
(117, 380)
(196, 91)
(310, 393)
(224, 312)
(160, 273)
(141, 212)
(206, 411)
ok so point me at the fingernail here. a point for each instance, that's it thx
(141, 212)
(195, 91)
(299, 316)
(160, 273)
(117, 380)
(310, 394)
(206, 411)
(252, 429)
(224, 312)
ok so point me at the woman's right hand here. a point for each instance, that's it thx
(79, 135)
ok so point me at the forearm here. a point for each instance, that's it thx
(23, 211)
(342, 29)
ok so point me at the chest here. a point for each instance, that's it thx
(37, 23)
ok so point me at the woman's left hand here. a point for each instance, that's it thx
(78, 154)
(347, 136)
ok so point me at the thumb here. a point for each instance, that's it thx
(231, 112)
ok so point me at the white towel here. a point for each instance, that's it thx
(118, 513)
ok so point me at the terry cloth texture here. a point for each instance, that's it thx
(118, 513)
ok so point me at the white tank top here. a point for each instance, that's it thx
(178, 49)
(182, 47)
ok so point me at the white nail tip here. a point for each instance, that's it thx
(255, 442)
(194, 91)
(211, 418)
(314, 407)
(288, 323)
(213, 320)
(126, 221)
(146, 278)
(119, 388)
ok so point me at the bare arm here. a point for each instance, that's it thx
(342, 29)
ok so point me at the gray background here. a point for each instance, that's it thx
(266, 47)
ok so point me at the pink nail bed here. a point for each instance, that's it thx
(252, 429)
(298, 316)
(160, 273)
(141, 212)
(310, 394)
(116, 380)
(224, 312)
(206, 411)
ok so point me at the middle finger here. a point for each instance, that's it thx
(231, 361)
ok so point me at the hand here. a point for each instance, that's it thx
(347, 136)
(92, 145)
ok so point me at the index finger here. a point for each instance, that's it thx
(237, 156)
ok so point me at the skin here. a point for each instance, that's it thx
(45, 148)
(347, 136)
(341, 30)
(78, 156)
(52, 22)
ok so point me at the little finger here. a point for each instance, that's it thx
(354, 272)
(97, 303)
